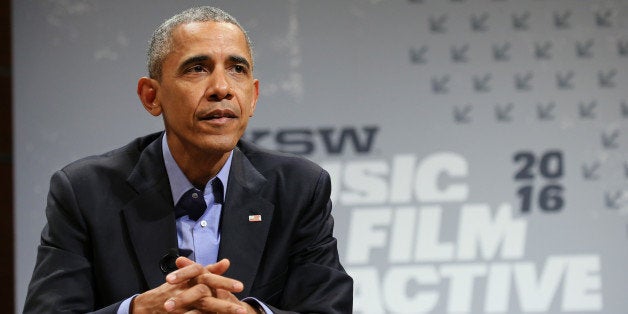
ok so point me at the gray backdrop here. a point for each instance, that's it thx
(478, 148)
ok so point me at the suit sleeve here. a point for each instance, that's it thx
(62, 281)
(317, 282)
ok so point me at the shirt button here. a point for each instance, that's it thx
(194, 195)
(203, 223)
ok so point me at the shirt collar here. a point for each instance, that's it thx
(179, 183)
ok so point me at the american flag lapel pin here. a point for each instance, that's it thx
(255, 218)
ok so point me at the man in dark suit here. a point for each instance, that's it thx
(253, 226)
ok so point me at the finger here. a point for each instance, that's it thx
(220, 306)
(183, 261)
(220, 267)
(200, 297)
(226, 295)
(189, 269)
(186, 273)
(219, 282)
(152, 301)
(184, 299)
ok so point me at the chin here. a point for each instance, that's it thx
(220, 143)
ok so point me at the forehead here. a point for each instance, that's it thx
(209, 37)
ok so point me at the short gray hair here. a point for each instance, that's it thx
(161, 41)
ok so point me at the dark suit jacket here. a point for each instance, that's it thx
(111, 220)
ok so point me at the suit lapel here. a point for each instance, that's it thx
(243, 237)
(151, 224)
(149, 216)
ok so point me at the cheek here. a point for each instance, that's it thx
(180, 104)
(248, 103)
(179, 117)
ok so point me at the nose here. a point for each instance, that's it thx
(219, 87)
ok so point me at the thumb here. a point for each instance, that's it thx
(219, 268)
(183, 261)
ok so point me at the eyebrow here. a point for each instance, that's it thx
(193, 60)
(241, 60)
(202, 58)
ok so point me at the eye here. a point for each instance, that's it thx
(195, 69)
(238, 68)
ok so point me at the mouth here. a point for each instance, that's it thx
(218, 114)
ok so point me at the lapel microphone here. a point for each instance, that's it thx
(168, 264)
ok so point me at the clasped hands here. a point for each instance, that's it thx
(193, 288)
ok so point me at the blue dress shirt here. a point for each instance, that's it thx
(201, 237)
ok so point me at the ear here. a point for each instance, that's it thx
(147, 92)
(255, 96)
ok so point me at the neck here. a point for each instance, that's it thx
(197, 165)
(200, 170)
